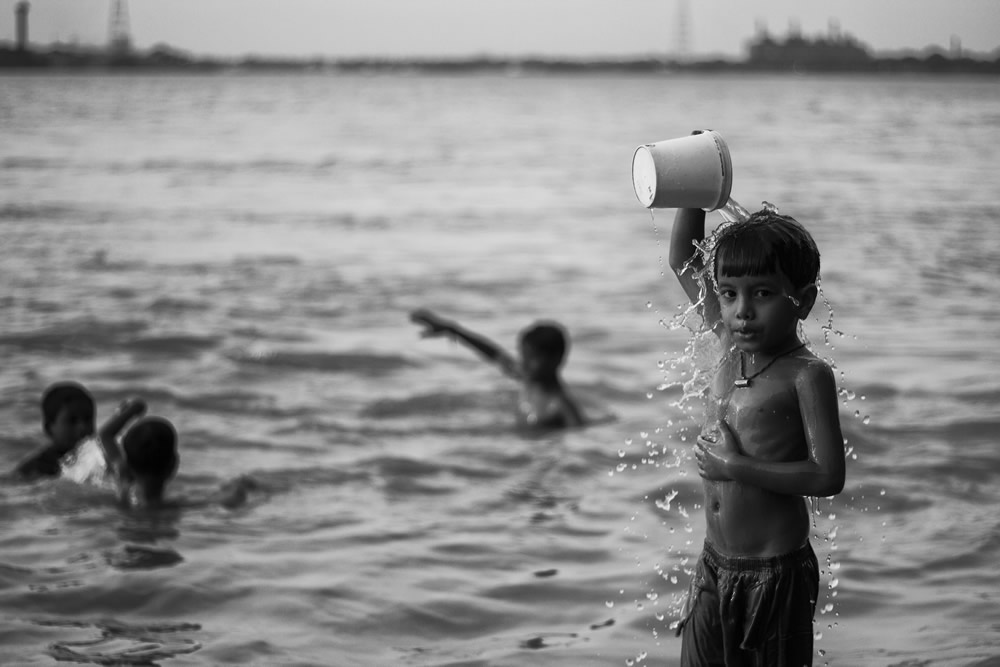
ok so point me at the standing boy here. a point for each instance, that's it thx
(773, 437)
(544, 402)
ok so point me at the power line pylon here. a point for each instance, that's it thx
(683, 46)
(119, 39)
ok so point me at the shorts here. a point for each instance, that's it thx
(750, 611)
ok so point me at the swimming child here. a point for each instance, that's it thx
(773, 438)
(544, 402)
(148, 459)
(67, 419)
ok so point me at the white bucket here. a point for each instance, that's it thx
(695, 171)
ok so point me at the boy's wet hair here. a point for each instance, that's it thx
(60, 394)
(151, 448)
(767, 243)
(547, 338)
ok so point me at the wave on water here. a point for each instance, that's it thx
(115, 643)
(323, 167)
(340, 362)
(84, 334)
(429, 403)
(21, 211)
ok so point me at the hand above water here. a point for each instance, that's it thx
(714, 452)
(131, 407)
(433, 325)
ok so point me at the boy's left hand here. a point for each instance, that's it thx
(433, 325)
(713, 456)
(132, 407)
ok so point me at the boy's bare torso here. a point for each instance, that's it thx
(745, 520)
(542, 408)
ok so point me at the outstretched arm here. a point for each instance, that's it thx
(820, 475)
(435, 326)
(107, 434)
(687, 262)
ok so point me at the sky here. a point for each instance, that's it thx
(454, 28)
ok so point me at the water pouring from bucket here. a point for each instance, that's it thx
(695, 171)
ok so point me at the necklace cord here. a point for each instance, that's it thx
(744, 381)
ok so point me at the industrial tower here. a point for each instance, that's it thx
(683, 46)
(21, 14)
(119, 39)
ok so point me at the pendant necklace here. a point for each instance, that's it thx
(744, 381)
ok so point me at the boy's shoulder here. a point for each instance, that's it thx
(43, 462)
(810, 366)
(811, 373)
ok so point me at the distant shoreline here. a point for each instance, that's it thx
(799, 61)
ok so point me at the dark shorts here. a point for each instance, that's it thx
(750, 612)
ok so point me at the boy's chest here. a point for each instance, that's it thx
(762, 404)
(765, 416)
(538, 408)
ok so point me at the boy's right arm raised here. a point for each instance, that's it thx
(107, 434)
(435, 326)
(686, 261)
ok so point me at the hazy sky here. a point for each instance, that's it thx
(504, 27)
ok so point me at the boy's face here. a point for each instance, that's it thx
(761, 312)
(534, 364)
(73, 423)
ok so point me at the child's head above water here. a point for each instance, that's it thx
(766, 243)
(151, 453)
(67, 413)
(545, 344)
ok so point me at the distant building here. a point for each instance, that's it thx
(834, 52)
(21, 12)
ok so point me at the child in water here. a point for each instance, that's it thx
(67, 419)
(148, 460)
(544, 402)
(774, 438)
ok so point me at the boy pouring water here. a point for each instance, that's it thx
(773, 438)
